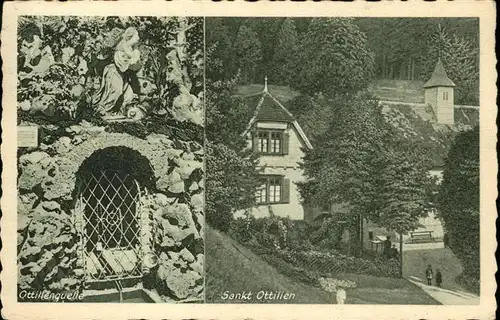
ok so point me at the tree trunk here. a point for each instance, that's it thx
(361, 235)
(400, 255)
(409, 68)
(413, 70)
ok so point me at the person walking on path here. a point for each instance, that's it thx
(429, 274)
(387, 247)
(439, 278)
(394, 252)
(446, 241)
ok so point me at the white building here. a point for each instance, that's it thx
(279, 140)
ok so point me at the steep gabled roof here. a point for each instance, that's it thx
(439, 78)
(268, 108)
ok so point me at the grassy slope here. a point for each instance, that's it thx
(232, 267)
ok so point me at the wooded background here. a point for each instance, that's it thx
(285, 49)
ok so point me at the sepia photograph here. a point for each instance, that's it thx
(250, 160)
(347, 167)
(110, 159)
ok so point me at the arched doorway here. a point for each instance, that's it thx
(110, 184)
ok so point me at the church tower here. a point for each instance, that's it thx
(439, 94)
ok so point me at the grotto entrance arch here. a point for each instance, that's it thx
(109, 187)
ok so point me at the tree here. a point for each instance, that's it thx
(285, 53)
(458, 200)
(231, 175)
(313, 114)
(247, 53)
(361, 160)
(334, 58)
(267, 32)
(401, 44)
(404, 185)
(218, 46)
(343, 164)
(404, 188)
(460, 60)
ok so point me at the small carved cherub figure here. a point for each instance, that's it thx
(180, 34)
(126, 52)
(38, 59)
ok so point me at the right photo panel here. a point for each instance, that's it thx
(342, 160)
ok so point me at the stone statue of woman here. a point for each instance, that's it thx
(119, 80)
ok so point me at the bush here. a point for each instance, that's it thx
(220, 219)
(292, 271)
(469, 282)
(270, 232)
(285, 244)
(334, 262)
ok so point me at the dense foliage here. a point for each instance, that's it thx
(458, 203)
(362, 161)
(231, 170)
(401, 48)
(285, 54)
(286, 245)
(338, 61)
(247, 53)
(460, 60)
(401, 45)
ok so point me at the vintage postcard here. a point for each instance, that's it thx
(248, 160)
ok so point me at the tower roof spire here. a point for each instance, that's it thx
(439, 77)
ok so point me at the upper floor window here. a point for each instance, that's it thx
(263, 146)
(276, 138)
(271, 142)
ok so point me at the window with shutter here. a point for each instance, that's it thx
(274, 189)
(285, 191)
(255, 142)
(285, 143)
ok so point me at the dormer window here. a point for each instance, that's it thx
(276, 138)
(263, 146)
(271, 142)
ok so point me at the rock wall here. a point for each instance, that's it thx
(49, 251)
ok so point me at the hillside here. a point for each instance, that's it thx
(398, 90)
(234, 268)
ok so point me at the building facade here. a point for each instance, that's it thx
(279, 140)
(439, 94)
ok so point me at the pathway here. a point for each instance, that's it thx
(445, 296)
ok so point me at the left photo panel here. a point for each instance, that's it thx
(110, 159)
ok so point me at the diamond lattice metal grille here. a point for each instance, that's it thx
(111, 226)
